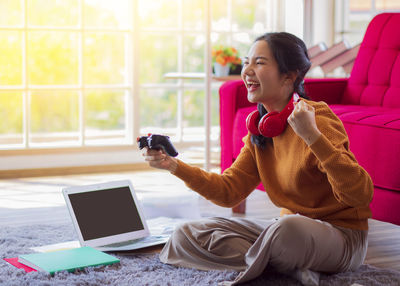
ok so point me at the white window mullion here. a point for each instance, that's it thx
(135, 42)
(26, 94)
(27, 116)
(81, 80)
(207, 82)
(180, 91)
(128, 94)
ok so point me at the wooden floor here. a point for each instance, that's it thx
(39, 200)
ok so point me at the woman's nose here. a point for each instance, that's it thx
(247, 70)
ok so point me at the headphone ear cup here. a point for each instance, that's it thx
(271, 124)
(252, 122)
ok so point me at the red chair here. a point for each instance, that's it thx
(368, 103)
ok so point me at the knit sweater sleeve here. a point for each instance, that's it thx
(350, 183)
(226, 189)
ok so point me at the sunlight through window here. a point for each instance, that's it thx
(92, 72)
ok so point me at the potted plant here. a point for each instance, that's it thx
(225, 59)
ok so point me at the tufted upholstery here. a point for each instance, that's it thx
(375, 78)
(368, 103)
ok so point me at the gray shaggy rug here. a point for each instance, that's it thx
(146, 269)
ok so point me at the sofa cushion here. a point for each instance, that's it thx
(374, 134)
(240, 129)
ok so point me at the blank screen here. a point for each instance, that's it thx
(106, 212)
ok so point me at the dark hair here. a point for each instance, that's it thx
(290, 53)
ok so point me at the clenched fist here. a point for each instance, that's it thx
(302, 120)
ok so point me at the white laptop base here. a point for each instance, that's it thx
(135, 244)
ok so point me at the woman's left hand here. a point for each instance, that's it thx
(302, 120)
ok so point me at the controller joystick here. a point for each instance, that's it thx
(156, 141)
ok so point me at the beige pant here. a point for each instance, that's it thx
(287, 244)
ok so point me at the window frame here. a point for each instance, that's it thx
(344, 15)
(132, 86)
(81, 87)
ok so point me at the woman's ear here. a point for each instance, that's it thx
(291, 77)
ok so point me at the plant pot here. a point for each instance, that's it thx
(235, 70)
(220, 70)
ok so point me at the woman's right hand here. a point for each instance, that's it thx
(159, 159)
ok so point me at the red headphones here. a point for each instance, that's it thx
(271, 124)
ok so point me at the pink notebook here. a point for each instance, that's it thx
(14, 261)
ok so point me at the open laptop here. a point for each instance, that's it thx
(108, 217)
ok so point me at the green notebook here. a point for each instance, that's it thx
(70, 259)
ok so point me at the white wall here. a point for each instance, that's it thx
(323, 22)
(294, 18)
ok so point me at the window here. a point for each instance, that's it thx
(91, 72)
(358, 13)
(173, 39)
(64, 72)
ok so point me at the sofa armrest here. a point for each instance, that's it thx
(232, 96)
(329, 90)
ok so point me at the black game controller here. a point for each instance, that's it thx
(156, 141)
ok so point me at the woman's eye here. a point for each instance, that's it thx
(259, 63)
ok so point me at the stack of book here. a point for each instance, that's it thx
(69, 260)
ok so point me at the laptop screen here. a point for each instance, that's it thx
(105, 212)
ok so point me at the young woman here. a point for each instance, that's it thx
(306, 168)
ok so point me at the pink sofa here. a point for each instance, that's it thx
(368, 103)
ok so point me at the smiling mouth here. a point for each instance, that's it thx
(252, 85)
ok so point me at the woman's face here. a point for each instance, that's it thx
(261, 76)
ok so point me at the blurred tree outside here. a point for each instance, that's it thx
(50, 13)
(53, 111)
(193, 53)
(11, 13)
(105, 110)
(158, 55)
(11, 114)
(10, 58)
(158, 108)
(52, 59)
(104, 58)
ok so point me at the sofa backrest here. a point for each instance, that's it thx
(375, 78)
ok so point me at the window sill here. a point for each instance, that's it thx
(66, 150)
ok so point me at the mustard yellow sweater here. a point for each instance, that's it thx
(322, 181)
